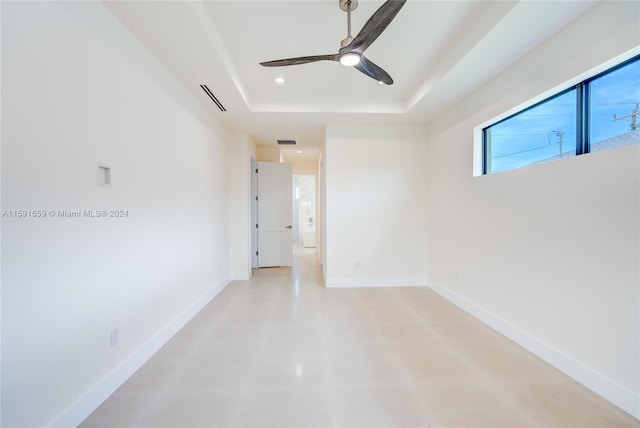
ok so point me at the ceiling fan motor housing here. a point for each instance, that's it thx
(345, 41)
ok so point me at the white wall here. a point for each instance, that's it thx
(548, 253)
(375, 206)
(268, 153)
(305, 167)
(239, 189)
(78, 89)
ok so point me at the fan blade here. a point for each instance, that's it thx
(300, 60)
(374, 26)
(374, 71)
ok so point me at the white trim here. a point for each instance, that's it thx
(91, 400)
(376, 282)
(615, 393)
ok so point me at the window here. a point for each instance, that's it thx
(613, 113)
(539, 133)
(596, 114)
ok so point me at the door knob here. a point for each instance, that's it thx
(289, 227)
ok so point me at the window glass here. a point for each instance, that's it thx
(614, 99)
(541, 133)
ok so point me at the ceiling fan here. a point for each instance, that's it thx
(351, 51)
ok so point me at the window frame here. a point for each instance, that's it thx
(583, 115)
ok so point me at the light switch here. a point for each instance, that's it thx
(104, 176)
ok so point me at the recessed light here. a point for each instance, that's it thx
(279, 80)
(299, 151)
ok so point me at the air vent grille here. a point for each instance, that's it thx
(213, 97)
(287, 142)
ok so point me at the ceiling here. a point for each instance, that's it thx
(437, 52)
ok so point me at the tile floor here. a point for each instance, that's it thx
(281, 350)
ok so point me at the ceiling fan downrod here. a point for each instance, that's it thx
(348, 6)
(348, 59)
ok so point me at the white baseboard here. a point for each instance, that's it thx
(376, 282)
(91, 400)
(618, 395)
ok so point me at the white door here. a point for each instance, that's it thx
(274, 214)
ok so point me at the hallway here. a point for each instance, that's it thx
(281, 350)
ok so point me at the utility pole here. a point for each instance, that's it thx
(634, 118)
(560, 135)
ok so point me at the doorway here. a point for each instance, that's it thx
(303, 208)
(304, 211)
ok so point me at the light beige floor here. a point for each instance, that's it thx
(283, 351)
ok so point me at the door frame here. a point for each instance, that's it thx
(254, 213)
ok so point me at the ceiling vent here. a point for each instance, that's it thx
(213, 97)
(287, 142)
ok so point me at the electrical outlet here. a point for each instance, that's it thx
(456, 277)
(115, 337)
(356, 264)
